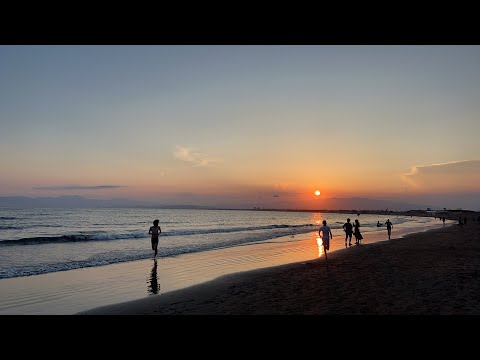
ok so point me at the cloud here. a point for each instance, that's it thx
(454, 175)
(192, 156)
(78, 187)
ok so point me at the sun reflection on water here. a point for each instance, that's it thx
(317, 218)
(320, 246)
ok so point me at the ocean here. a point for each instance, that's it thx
(39, 241)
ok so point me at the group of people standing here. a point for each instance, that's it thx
(352, 229)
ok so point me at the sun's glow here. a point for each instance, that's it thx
(317, 193)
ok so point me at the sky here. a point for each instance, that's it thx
(242, 126)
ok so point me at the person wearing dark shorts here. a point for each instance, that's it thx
(348, 228)
(155, 231)
(326, 234)
(389, 228)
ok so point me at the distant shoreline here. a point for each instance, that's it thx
(338, 205)
(453, 214)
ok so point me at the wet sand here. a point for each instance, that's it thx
(430, 273)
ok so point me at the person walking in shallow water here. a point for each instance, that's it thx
(389, 228)
(326, 234)
(155, 231)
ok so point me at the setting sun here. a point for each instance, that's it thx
(317, 193)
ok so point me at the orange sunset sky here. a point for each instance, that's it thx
(242, 126)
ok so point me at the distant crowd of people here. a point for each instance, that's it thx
(461, 220)
(464, 222)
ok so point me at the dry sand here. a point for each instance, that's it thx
(435, 272)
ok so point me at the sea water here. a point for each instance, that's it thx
(38, 241)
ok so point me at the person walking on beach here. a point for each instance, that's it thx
(326, 234)
(348, 228)
(356, 232)
(389, 228)
(155, 231)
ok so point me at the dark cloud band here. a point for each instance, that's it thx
(78, 187)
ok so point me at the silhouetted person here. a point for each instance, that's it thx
(389, 228)
(154, 286)
(326, 234)
(378, 224)
(348, 228)
(356, 232)
(155, 231)
(460, 222)
(443, 219)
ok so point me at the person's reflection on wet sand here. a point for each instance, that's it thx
(153, 284)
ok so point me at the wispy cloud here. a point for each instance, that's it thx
(191, 155)
(77, 187)
(464, 173)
